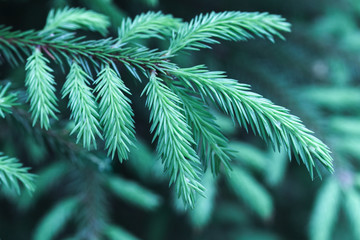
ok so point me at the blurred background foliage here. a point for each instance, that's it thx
(315, 73)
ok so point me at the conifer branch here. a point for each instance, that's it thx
(41, 89)
(174, 139)
(212, 144)
(177, 113)
(76, 18)
(14, 45)
(201, 31)
(116, 115)
(82, 105)
(7, 101)
(12, 173)
(148, 25)
(273, 123)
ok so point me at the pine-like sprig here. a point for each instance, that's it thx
(176, 96)
(203, 30)
(82, 105)
(7, 100)
(12, 173)
(147, 25)
(41, 89)
(76, 18)
(14, 45)
(212, 144)
(273, 123)
(116, 115)
(174, 139)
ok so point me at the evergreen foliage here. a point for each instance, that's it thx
(187, 129)
(41, 90)
(211, 142)
(83, 106)
(271, 122)
(67, 19)
(235, 26)
(147, 25)
(116, 113)
(7, 101)
(12, 173)
(174, 139)
(170, 126)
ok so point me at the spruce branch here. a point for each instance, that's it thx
(116, 115)
(82, 105)
(174, 139)
(147, 25)
(12, 173)
(212, 144)
(14, 45)
(76, 18)
(7, 100)
(41, 89)
(203, 30)
(176, 110)
(273, 123)
(10, 51)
